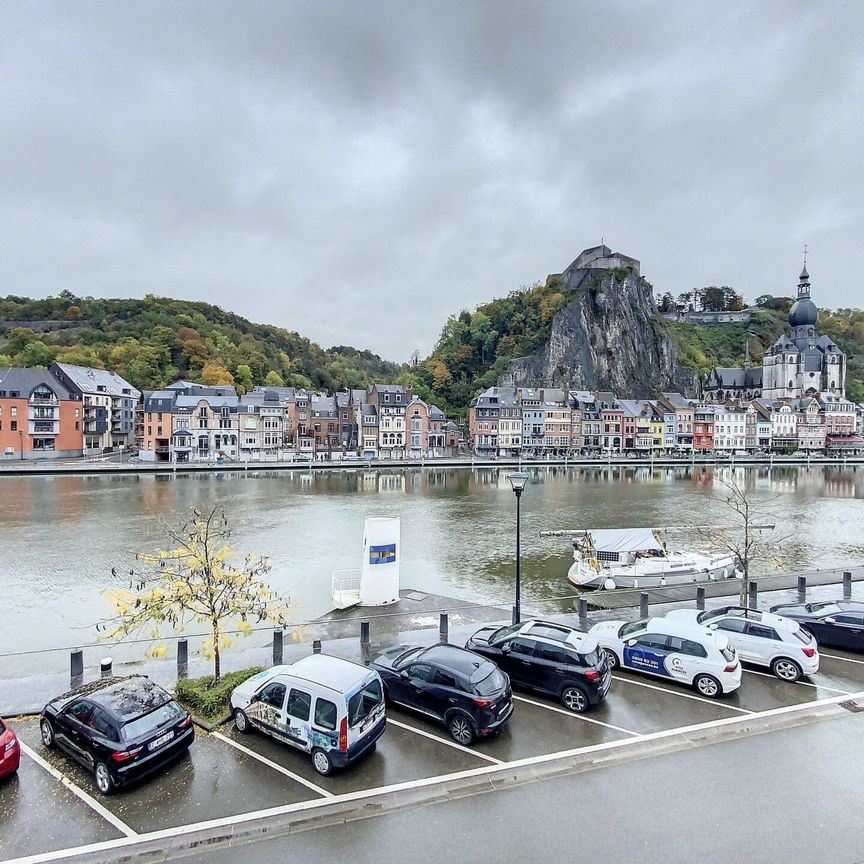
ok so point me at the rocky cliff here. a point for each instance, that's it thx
(609, 336)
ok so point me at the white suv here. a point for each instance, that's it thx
(761, 638)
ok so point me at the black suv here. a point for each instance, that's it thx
(467, 693)
(121, 729)
(550, 658)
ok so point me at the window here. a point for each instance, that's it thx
(325, 714)
(654, 641)
(552, 654)
(523, 646)
(13, 411)
(762, 631)
(81, 711)
(274, 695)
(444, 679)
(14, 425)
(850, 619)
(420, 671)
(104, 725)
(687, 646)
(631, 627)
(298, 705)
(362, 704)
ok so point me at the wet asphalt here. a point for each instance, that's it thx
(39, 814)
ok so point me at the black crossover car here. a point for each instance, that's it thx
(550, 658)
(121, 729)
(832, 622)
(470, 695)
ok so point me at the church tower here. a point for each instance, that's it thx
(803, 315)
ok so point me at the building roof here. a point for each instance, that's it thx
(736, 377)
(90, 380)
(24, 380)
(187, 403)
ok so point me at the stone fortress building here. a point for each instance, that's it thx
(796, 366)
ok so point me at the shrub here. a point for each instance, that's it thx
(207, 700)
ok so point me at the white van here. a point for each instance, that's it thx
(673, 649)
(325, 706)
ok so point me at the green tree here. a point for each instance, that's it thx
(36, 354)
(273, 379)
(243, 377)
(196, 582)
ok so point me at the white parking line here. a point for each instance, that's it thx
(89, 800)
(440, 740)
(575, 716)
(803, 683)
(491, 772)
(838, 657)
(715, 702)
(274, 765)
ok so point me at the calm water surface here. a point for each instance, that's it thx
(62, 535)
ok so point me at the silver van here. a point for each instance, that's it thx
(330, 708)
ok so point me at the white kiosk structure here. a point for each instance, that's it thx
(377, 582)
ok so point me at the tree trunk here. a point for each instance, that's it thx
(217, 660)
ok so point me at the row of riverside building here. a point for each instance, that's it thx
(510, 421)
(68, 411)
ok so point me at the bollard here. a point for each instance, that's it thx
(316, 646)
(183, 658)
(443, 628)
(278, 637)
(364, 632)
(802, 589)
(583, 613)
(643, 604)
(754, 591)
(700, 598)
(847, 584)
(76, 668)
(105, 667)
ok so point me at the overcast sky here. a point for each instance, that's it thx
(358, 171)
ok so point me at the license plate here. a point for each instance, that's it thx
(162, 739)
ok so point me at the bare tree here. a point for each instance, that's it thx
(746, 539)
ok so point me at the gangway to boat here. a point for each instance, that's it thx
(346, 588)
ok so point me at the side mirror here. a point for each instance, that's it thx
(830, 620)
(255, 698)
(505, 649)
(713, 626)
(631, 643)
(404, 675)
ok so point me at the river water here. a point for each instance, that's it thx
(61, 535)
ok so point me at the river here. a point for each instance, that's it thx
(61, 535)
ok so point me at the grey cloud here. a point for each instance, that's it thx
(359, 171)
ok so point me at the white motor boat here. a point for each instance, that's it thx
(638, 558)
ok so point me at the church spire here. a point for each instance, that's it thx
(746, 352)
(804, 278)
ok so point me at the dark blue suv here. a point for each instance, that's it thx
(466, 692)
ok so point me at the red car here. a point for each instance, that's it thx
(10, 752)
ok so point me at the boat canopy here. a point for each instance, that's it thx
(624, 540)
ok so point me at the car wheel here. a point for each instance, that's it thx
(47, 732)
(241, 721)
(321, 762)
(611, 658)
(104, 783)
(786, 669)
(575, 699)
(708, 686)
(461, 730)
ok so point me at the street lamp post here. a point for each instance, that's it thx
(518, 480)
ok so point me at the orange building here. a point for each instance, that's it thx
(39, 417)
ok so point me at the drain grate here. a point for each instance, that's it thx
(851, 705)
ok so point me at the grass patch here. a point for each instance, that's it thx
(207, 700)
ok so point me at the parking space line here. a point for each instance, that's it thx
(441, 740)
(838, 657)
(799, 681)
(69, 854)
(716, 702)
(89, 800)
(576, 716)
(274, 765)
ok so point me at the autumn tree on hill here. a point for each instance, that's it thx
(195, 582)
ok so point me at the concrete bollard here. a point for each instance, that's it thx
(643, 604)
(443, 628)
(278, 645)
(316, 646)
(700, 598)
(183, 658)
(847, 584)
(754, 594)
(76, 668)
(105, 667)
(583, 613)
(802, 589)
(364, 632)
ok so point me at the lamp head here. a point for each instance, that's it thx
(518, 480)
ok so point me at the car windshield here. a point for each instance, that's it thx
(632, 627)
(711, 614)
(592, 658)
(490, 684)
(364, 702)
(504, 632)
(407, 657)
(169, 712)
(829, 607)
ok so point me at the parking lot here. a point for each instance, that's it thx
(52, 804)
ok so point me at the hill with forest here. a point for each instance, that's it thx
(156, 340)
